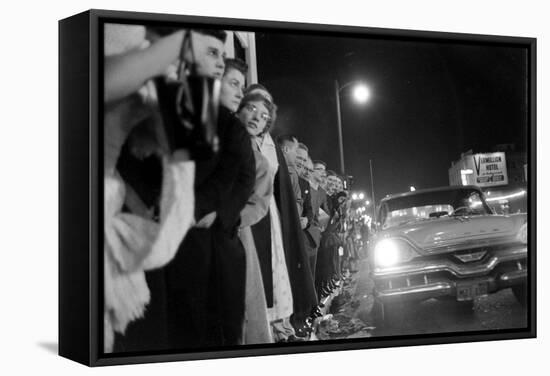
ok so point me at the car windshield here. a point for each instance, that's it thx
(429, 205)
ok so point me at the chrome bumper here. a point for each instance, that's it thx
(439, 289)
(487, 273)
(423, 267)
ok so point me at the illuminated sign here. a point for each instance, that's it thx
(490, 169)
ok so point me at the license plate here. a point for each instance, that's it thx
(469, 291)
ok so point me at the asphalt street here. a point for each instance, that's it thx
(352, 313)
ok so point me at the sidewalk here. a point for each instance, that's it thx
(347, 314)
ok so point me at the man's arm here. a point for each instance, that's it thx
(244, 184)
(211, 190)
(306, 195)
(325, 204)
(126, 73)
(230, 184)
(297, 191)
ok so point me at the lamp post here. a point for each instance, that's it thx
(361, 94)
(340, 138)
(372, 192)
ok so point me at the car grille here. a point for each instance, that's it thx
(482, 256)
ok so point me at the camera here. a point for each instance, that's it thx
(189, 110)
(189, 106)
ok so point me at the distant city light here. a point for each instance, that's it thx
(356, 196)
(463, 174)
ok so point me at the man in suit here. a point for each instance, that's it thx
(311, 235)
(318, 203)
(301, 282)
(206, 279)
(301, 161)
(142, 165)
(289, 147)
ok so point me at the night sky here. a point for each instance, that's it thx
(430, 101)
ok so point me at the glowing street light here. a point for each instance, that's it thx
(358, 196)
(361, 94)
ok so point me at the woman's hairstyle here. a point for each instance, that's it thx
(256, 86)
(254, 89)
(271, 107)
(341, 194)
(332, 173)
(236, 64)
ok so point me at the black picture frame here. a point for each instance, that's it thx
(81, 191)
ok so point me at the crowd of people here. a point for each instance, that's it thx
(235, 247)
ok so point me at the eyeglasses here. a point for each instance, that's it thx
(253, 109)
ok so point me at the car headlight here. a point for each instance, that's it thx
(390, 252)
(522, 234)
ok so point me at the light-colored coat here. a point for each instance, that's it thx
(256, 325)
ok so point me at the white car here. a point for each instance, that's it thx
(444, 243)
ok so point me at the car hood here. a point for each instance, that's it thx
(435, 233)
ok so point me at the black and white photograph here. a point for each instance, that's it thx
(274, 187)
(269, 188)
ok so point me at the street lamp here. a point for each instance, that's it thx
(361, 94)
(358, 196)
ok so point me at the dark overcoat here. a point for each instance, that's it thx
(297, 261)
(301, 280)
(206, 278)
